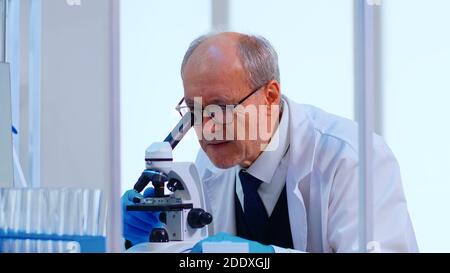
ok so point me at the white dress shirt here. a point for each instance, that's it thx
(271, 166)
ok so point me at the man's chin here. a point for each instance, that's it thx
(223, 156)
(222, 165)
(222, 162)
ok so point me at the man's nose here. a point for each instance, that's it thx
(211, 127)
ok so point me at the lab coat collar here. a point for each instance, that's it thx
(302, 142)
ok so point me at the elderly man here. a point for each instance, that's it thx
(296, 190)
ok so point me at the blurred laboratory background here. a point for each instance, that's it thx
(94, 83)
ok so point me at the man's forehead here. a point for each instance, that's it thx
(210, 97)
(214, 70)
(221, 82)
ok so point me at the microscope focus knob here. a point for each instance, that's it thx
(159, 235)
(173, 185)
(198, 218)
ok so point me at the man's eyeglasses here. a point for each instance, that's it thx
(218, 113)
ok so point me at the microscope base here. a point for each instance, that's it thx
(168, 247)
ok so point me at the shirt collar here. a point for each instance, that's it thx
(266, 164)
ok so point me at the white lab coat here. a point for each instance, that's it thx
(322, 188)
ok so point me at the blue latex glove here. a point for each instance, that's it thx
(137, 225)
(254, 247)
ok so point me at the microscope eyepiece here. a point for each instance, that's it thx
(180, 130)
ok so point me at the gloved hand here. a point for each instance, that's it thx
(137, 225)
(254, 247)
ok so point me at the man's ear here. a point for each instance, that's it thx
(272, 93)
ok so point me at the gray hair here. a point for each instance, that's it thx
(257, 55)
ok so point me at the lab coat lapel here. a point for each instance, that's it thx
(302, 146)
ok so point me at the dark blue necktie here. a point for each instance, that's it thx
(254, 210)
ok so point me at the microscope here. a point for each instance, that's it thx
(185, 221)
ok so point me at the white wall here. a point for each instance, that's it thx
(314, 41)
(416, 65)
(154, 37)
